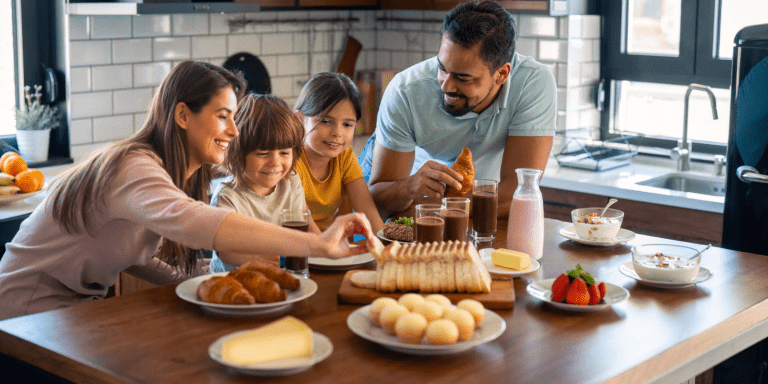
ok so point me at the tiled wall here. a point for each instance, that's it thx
(116, 62)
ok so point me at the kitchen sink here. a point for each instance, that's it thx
(688, 182)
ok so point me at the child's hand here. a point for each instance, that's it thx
(344, 226)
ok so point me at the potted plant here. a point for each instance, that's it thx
(34, 124)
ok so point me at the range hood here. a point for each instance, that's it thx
(146, 7)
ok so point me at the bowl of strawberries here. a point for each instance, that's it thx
(576, 290)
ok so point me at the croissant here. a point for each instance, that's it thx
(466, 167)
(224, 290)
(263, 289)
(273, 272)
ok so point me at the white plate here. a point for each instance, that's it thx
(360, 324)
(10, 199)
(486, 256)
(187, 291)
(542, 290)
(380, 234)
(340, 264)
(623, 236)
(628, 269)
(321, 348)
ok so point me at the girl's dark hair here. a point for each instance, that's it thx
(487, 23)
(324, 90)
(82, 189)
(265, 123)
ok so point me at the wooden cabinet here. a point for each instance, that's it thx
(339, 3)
(550, 7)
(643, 218)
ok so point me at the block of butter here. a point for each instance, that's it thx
(511, 259)
(285, 338)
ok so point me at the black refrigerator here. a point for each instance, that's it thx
(745, 218)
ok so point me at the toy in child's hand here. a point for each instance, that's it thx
(466, 168)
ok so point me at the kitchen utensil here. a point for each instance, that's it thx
(254, 72)
(702, 251)
(610, 202)
(346, 64)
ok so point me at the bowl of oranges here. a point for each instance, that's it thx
(17, 180)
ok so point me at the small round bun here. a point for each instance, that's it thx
(440, 299)
(376, 306)
(389, 316)
(410, 300)
(442, 332)
(430, 310)
(475, 308)
(410, 328)
(464, 322)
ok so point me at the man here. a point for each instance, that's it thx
(476, 93)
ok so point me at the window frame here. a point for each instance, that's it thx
(695, 64)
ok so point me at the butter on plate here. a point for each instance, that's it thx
(507, 258)
(285, 338)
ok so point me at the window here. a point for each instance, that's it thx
(652, 50)
(8, 83)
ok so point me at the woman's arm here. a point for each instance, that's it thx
(234, 258)
(156, 272)
(362, 201)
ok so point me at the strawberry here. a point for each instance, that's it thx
(560, 288)
(601, 287)
(577, 292)
(594, 295)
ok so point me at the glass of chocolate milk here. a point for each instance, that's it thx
(428, 223)
(299, 220)
(485, 203)
(456, 215)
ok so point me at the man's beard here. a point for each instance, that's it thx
(461, 111)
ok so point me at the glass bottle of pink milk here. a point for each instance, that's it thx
(525, 231)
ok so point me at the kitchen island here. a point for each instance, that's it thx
(656, 335)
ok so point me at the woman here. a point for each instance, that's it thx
(140, 206)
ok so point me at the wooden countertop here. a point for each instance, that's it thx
(656, 335)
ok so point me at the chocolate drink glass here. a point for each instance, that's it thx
(299, 220)
(456, 215)
(428, 224)
(485, 204)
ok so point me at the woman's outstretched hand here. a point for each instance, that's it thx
(344, 226)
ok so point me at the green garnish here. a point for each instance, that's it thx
(404, 220)
(579, 272)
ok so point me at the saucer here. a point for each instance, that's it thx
(628, 269)
(624, 235)
(486, 256)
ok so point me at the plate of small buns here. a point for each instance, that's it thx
(426, 324)
(255, 288)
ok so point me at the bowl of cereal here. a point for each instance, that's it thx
(589, 225)
(666, 262)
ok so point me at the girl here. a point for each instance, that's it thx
(330, 106)
(261, 160)
(143, 197)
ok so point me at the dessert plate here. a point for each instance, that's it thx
(187, 291)
(321, 348)
(628, 269)
(340, 264)
(485, 255)
(624, 235)
(360, 324)
(10, 199)
(542, 290)
(380, 234)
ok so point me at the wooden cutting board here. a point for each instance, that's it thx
(502, 295)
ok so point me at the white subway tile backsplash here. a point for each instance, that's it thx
(112, 128)
(562, 98)
(80, 131)
(383, 60)
(277, 43)
(138, 121)
(543, 26)
(576, 50)
(132, 51)
(575, 23)
(187, 24)
(553, 50)
(171, 48)
(132, 100)
(590, 73)
(110, 27)
(80, 79)
(282, 85)
(90, 52)
(561, 75)
(219, 23)
(209, 46)
(112, 77)
(574, 74)
(322, 62)
(391, 40)
(596, 50)
(432, 42)
(151, 25)
(300, 42)
(79, 27)
(150, 74)
(589, 118)
(250, 43)
(591, 26)
(290, 15)
(270, 63)
(264, 26)
(527, 47)
(90, 104)
(292, 64)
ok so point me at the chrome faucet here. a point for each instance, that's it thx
(682, 153)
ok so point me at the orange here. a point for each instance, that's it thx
(7, 155)
(27, 182)
(38, 175)
(13, 165)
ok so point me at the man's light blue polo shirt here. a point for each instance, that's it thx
(411, 116)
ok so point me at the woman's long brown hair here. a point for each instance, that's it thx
(81, 190)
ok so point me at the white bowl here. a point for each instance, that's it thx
(597, 228)
(666, 262)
